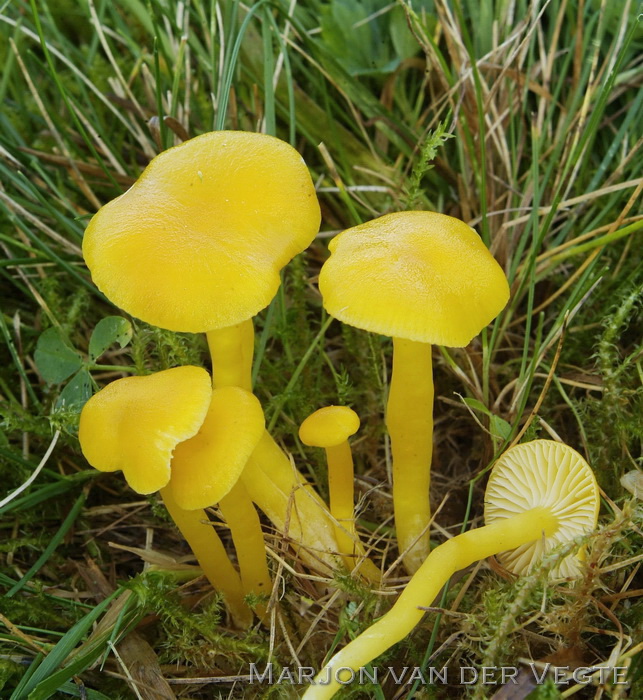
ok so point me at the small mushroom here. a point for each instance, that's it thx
(543, 474)
(422, 278)
(330, 427)
(134, 425)
(540, 495)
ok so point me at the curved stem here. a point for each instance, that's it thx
(281, 510)
(241, 516)
(285, 475)
(409, 419)
(211, 555)
(445, 560)
(342, 508)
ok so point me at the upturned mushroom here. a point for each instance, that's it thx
(197, 244)
(540, 495)
(422, 278)
(330, 427)
(134, 425)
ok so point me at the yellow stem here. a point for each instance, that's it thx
(210, 553)
(247, 353)
(291, 504)
(304, 513)
(342, 500)
(441, 564)
(231, 350)
(283, 472)
(242, 518)
(409, 419)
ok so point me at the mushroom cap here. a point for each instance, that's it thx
(416, 275)
(329, 426)
(549, 474)
(198, 241)
(207, 466)
(135, 423)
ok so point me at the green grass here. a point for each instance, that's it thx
(521, 118)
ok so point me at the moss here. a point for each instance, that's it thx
(547, 691)
(194, 636)
(10, 673)
(613, 421)
(39, 611)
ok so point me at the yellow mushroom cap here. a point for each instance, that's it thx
(416, 275)
(206, 467)
(329, 426)
(135, 423)
(197, 243)
(549, 474)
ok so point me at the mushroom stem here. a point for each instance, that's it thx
(210, 553)
(274, 461)
(242, 518)
(340, 485)
(231, 350)
(409, 419)
(291, 503)
(424, 586)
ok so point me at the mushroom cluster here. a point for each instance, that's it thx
(197, 245)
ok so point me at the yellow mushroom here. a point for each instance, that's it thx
(422, 278)
(540, 495)
(196, 245)
(134, 425)
(206, 471)
(330, 427)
